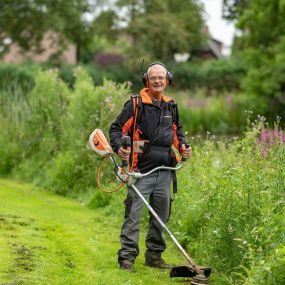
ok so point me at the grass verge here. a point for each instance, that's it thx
(47, 239)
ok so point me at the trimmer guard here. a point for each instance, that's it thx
(188, 271)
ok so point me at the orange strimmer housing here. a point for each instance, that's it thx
(99, 143)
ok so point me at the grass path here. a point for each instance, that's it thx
(47, 239)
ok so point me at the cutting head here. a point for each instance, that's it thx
(188, 271)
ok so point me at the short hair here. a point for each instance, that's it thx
(156, 66)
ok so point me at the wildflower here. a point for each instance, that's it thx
(229, 100)
(108, 99)
(275, 133)
(268, 137)
(216, 163)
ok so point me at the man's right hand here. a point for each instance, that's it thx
(124, 153)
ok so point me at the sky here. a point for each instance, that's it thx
(219, 28)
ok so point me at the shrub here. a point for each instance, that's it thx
(99, 200)
(14, 74)
(225, 114)
(9, 153)
(214, 75)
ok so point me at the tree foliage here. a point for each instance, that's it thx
(156, 28)
(160, 28)
(25, 22)
(232, 9)
(261, 46)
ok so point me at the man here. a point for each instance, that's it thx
(153, 132)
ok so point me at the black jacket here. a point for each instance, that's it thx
(158, 125)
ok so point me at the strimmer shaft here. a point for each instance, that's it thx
(165, 228)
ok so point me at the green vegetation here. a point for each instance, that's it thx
(230, 208)
(223, 114)
(229, 212)
(45, 132)
(261, 47)
(34, 19)
(99, 25)
(214, 75)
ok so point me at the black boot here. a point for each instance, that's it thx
(153, 259)
(127, 265)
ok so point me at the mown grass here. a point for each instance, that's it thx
(47, 239)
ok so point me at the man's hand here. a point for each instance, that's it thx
(186, 152)
(124, 154)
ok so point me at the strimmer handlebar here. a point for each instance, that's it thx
(140, 175)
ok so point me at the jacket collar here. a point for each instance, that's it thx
(146, 99)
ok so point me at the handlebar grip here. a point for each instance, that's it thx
(187, 146)
(126, 142)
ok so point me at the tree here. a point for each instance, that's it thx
(233, 9)
(157, 28)
(261, 46)
(160, 28)
(25, 22)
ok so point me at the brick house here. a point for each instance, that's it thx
(49, 48)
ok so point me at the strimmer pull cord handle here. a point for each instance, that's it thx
(126, 142)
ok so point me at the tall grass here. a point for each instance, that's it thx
(45, 131)
(230, 210)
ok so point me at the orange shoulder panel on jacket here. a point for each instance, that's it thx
(175, 137)
(126, 127)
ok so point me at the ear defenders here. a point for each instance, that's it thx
(169, 75)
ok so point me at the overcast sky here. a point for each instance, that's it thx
(219, 28)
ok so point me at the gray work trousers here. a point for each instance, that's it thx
(155, 188)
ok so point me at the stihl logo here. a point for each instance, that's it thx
(167, 117)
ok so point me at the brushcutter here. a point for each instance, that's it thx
(101, 146)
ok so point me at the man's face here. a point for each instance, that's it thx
(157, 79)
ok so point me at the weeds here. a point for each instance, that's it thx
(231, 208)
